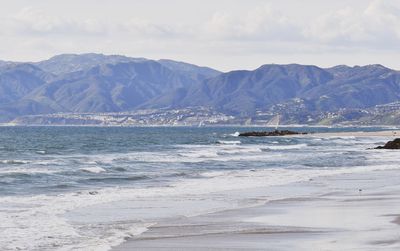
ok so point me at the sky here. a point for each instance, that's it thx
(223, 34)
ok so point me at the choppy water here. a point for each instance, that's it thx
(88, 188)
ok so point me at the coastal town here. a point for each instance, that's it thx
(290, 113)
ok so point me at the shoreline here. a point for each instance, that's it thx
(329, 213)
(388, 133)
(196, 194)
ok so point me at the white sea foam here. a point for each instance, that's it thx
(341, 137)
(229, 142)
(192, 156)
(383, 157)
(183, 154)
(30, 170)
(236, 134)
(286, 147)
(93, 169)
(40, 218)
(241, 149)
(14, 162)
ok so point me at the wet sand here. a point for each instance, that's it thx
(358, 211)
(389, 133)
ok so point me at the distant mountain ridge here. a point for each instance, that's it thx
(97, 83)
(244, 92)
(90, 83)
(67, 63)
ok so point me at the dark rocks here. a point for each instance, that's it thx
(395, 144)
(273, 133)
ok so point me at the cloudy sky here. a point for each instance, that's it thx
(224, 34)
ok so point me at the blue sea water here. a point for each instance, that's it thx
(85, 188)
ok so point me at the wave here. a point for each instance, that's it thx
(45, 225)
(181, 174)
(94, 169)
(341, 137)
(229, 150)
(229, 142)
(189, 156)
(236, 134)
(120, 169)
(236, 151)
(191, 153)
(286, 147)
(115, 179)
(58, 187)
(14, 162)
(26, 171)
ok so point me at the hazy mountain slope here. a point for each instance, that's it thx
(5, 64)
(110, 88)
(244, 91)
(189, 70)
(66, 63)
(90, 83)
(16, 81)
(29, 107)
(356, 87)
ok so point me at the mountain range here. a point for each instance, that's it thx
(96, 83)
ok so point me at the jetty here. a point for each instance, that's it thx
(395, 144)
(270, 133)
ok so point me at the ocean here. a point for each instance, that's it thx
(91, 188)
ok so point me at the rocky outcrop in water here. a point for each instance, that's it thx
(395, 144)
(273, 133)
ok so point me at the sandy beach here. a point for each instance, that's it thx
(388, 133)
(357, 211)
(351, 211)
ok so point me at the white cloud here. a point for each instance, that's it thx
(369, 27)
(146, 29)
(31, 21)
(375, 27)
(257, 24)
(214, 31)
